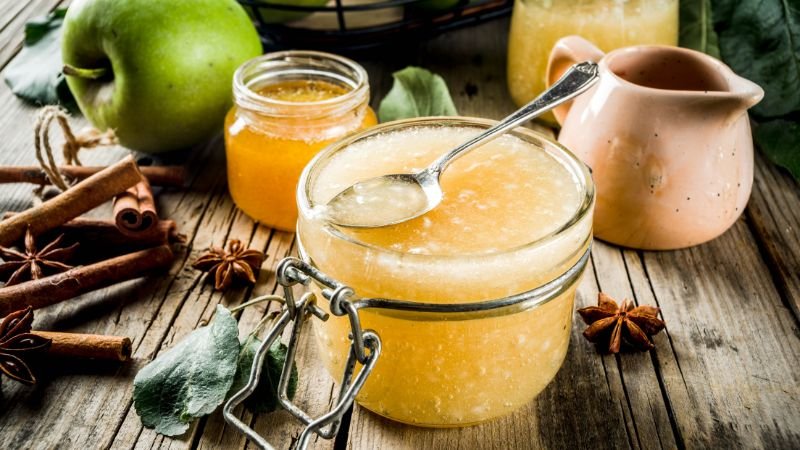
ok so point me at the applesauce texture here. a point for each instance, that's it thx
(302, 91)
(502, 195)
(509, 222)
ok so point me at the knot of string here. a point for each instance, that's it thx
(73, 143)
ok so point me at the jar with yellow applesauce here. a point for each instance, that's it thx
(536, 25)
(473, 301)
(287, 107)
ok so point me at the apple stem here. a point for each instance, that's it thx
(90, 74)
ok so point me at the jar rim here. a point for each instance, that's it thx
(319, 65)
(467, 310)
(571, 162)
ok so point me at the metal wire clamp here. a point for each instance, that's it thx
(365, 345)
(365, 348)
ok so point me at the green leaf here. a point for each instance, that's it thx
(780, 141)
(189, 380)
(760, 40)
(38, 27)
(416, 92)
(697, 27)
(265, 398)
(35, 74)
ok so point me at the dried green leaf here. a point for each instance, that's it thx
(189, 380)
(416, 92)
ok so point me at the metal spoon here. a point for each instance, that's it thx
(364, 204)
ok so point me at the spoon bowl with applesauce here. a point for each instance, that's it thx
(396, 198)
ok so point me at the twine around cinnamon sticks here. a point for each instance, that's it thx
(60, 212)
(76, 200)
(134, 243)
(134, 206)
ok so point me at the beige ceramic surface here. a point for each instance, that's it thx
(667, 136)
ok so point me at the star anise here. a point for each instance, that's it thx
(17, 342)
(238, 262)
(615, 324)
(31, 264)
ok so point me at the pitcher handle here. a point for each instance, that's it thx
(568, 51)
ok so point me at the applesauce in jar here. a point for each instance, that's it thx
(288, 106)
(536, 25)
(493, 268)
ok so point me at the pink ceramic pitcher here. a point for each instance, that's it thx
(667, 136)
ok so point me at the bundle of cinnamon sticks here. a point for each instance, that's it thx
(132, 244)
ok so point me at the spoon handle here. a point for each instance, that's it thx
(575, 81)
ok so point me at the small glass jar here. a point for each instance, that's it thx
(287, 107)
(536, 25)
(465, 337)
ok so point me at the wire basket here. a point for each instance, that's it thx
(365, 24)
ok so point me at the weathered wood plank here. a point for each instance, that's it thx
(193, 301)
(774, 215)
(314, 387)
(647, 413)
(76, 403)
(732, 377)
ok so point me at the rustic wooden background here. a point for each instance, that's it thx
(723, 374)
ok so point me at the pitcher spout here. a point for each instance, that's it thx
(747, 92)
(741, 94)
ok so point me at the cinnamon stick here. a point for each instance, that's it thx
(101, 239)
(106, 233)
(65, 285)
(94, 346)
(135, 210)
(167, 176)
(73, 202)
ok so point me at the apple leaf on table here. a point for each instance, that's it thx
(35, 74)
(265, 398)
(416, 92)
(189, 380)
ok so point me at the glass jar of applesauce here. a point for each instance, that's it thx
(287, 107)
(473, 301)
(536, 25)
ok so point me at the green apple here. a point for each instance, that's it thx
(273, 15)
(159, 72)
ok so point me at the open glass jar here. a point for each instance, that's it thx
(536, 25)
(474, 319)
(287, 107)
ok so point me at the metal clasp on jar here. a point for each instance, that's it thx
(365, 345)
(365, 348)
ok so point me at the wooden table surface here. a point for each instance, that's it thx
(724, 373)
